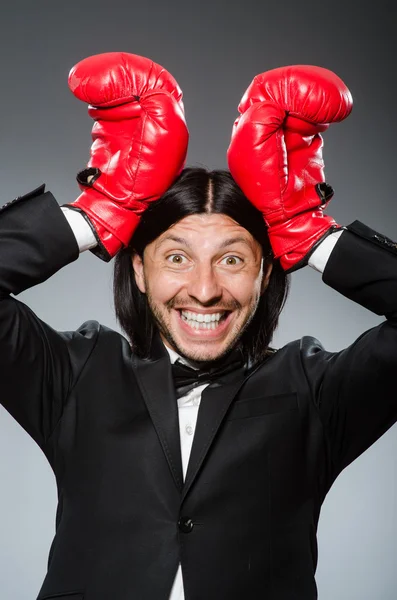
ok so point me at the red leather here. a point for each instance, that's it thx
(140, 141)
(275, 153)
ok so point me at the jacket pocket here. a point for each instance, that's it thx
(262, 405)
(63, 596)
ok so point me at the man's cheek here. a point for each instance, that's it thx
(242, 290)
(168, 285)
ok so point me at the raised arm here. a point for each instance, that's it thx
(355, 390)
(276, 157)
(35, 368)
(139, 148)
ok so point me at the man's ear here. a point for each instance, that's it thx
(137, 265)
(267, 270)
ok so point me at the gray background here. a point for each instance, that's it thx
(213, 49)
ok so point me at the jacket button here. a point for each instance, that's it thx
(185, 524)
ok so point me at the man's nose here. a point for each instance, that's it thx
(204, 284)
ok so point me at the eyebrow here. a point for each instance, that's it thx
(224, 244)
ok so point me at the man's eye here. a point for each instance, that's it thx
(175, 259)
(232, 260)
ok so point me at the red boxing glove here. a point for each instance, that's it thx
(140, 141)
(275, 154)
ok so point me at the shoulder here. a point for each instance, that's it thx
(309, 345)
(303, 347)
(304, 355)
(92, 334)
(94, 345)
(293, 357)
(288, 369)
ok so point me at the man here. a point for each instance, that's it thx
(204, 479)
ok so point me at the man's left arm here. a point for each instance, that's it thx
(275, 156)
(355, 390)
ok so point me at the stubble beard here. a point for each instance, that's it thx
(198, 357)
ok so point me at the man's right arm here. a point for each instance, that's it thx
(38, 365)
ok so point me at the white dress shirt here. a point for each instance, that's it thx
(188, 405)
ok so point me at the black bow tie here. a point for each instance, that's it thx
(187, 378)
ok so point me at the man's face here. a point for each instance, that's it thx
(203, 278)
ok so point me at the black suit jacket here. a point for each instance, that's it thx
(266, 450)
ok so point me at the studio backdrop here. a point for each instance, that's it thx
(214, 49)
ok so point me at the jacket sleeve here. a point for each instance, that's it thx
(38, 365)
(355, 390)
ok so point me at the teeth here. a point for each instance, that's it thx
(207, 318)
(197, 325)
(200, 321)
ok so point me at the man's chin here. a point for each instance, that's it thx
(199, 351)
(200, 356)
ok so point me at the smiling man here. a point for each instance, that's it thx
(203, 279)
(191, 458)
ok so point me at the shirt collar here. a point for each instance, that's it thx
(174, 356)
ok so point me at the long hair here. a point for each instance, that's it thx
(196, 191)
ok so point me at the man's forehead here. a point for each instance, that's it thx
(219, 228)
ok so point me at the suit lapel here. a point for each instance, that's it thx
(155, 382)
(215, 401)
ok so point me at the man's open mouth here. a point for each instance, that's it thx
(203, 321)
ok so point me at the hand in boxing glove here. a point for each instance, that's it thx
(140, 141)
(275, 155)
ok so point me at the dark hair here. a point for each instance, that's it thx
(189, 195)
